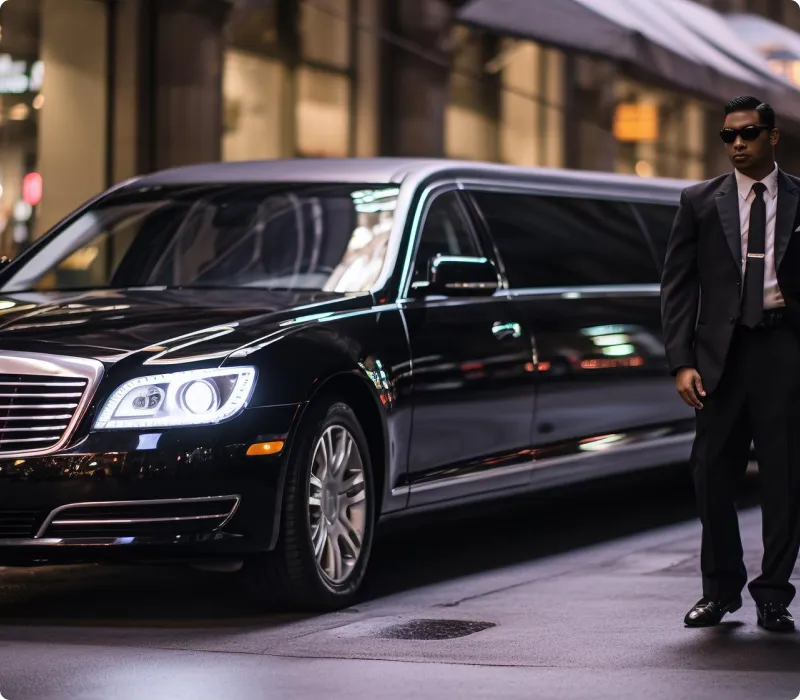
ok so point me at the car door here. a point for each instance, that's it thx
(472, 373)
(583, 278)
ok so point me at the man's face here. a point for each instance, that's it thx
(747, 154)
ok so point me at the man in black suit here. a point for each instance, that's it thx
(731, 320)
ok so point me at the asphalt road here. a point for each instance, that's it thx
(579, 594)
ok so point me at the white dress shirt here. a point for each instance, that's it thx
(772, 293)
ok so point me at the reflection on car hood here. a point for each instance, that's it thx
(169, 325)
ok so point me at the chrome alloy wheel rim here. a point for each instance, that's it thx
(337, 504)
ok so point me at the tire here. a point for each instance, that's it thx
(292, 576)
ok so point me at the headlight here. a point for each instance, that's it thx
(197, 397)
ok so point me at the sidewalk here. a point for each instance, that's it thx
(601, 622)
(604, 622)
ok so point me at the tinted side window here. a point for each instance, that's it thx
(446, 231)
(658, 218)
(549, 241)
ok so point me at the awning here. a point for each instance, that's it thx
(658, 37)
(716, 32)
(770, 39)
(778, 46)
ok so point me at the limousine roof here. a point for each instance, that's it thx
(396, 170)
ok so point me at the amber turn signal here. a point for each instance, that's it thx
(265, 448)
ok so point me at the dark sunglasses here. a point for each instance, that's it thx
(748, 133)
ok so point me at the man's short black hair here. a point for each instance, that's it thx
(746, 103)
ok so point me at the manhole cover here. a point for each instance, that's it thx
(434, 629)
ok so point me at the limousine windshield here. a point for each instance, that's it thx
(305, 237)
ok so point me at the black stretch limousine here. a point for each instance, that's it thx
(256, 363)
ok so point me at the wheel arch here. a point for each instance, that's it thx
(358, 391)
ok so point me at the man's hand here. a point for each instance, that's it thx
(690, 386)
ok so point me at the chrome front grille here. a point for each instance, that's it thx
(42, 398)
(35, 412)
(18, 524)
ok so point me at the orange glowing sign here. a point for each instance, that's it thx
(636, 122)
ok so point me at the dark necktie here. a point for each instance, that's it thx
(753, 297)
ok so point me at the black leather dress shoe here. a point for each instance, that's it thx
(707, 612)
(775, 617)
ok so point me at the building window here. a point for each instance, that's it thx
(255, 88)
(531, 104)
(252, 116)
(325, 79)
(470, 124)
(658, 133)
(520, 109)
(554, 117)
(368, 75)
(289, 80)
(325, 33)
(323, 113)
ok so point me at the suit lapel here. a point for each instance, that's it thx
(728, 206)
(788, 197)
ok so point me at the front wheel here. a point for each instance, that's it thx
(327, 518)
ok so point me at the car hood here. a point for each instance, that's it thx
(187, 325)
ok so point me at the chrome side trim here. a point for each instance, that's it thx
(50, 519)
(595, 292)
(40, 364)
(508, 470)
(548, 463)
(30, 542)
(606, 290)
(599, 188)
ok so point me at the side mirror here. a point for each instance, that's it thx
(461, 276)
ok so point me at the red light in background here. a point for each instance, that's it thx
(32, 189)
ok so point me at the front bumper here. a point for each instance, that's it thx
(172, 494)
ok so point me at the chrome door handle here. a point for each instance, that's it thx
(506, 330)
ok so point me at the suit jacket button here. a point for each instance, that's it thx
(732, 319)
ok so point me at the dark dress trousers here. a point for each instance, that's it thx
(751, 377)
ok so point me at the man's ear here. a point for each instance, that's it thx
(774, 137)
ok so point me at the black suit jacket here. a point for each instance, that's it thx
(702, 282)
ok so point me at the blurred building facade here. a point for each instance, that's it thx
(93, 92)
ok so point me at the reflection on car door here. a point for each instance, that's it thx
(472, 374)
(585, 281)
